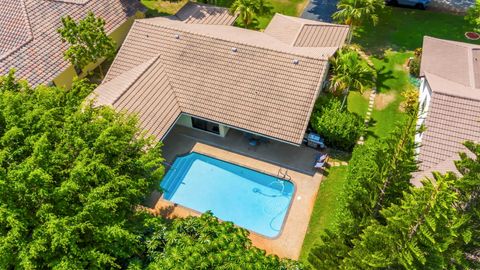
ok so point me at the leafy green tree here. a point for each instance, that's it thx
(88, 41)
(247, 10)
(339, 127)
(355, 12)
(205, 243)
(468, 187)
(420, 232)
(350, 72)
(378, 175)
(473, 16)
(70, 178)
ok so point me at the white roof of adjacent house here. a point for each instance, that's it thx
(245, 79)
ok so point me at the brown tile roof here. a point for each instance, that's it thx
(28, 33)
(307, 33)
(454, 61)
(453, 116)
(242, 78)
(205, 14)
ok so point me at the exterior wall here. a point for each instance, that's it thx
(65, 78)
(425, 96)
(186, 121)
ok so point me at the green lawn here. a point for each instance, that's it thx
(402, 29)
(392, 80)
(287, 7)
(357, 103)
(325, 209)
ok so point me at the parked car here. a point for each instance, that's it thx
(421, 4)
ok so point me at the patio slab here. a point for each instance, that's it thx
(180, 140)
(289, 243)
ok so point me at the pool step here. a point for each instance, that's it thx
(173, 179)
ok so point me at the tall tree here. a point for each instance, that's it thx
(70, 178)
(350, 72)
(204, 243)
(88, 41)
(355, 12)
(378, 175)
(247, 10)
(420, 232)
(468, 187)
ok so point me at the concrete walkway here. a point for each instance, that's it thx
(320, 10)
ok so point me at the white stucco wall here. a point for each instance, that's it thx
(424, 99)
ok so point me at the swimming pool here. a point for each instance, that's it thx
(250, 199)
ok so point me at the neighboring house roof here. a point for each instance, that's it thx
(29, 41)
(453, 116)
(300, 32)
(205, 14)
(242, 78)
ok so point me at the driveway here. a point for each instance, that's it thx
(320, 10)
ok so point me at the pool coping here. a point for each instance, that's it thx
(290, 203)
(288, 243)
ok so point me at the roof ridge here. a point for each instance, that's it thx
(322, 58)
(30, 32)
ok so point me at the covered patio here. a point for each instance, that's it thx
(181, 140)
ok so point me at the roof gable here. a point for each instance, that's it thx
(307, 33)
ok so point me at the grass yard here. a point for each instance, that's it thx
(402, 29)
(392, 80)
(358, 103)
(326, 206)
(287, 7)
(161, 7)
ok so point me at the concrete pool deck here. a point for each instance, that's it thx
(289, 243)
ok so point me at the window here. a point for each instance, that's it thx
(205, 125)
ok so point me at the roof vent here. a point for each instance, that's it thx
(296, 61)
(177, 36)
(234, 49)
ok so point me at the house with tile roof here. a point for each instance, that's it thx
(204, 73)
(30, 43)
(449, 103)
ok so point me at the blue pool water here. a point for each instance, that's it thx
(250, 199)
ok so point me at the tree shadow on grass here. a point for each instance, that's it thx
(369, 133)
(383, 75)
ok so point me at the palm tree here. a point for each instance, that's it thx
(248, 9)
(354, 12)
(350, 72)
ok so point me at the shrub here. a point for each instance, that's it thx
(339, 127)
(414, 65)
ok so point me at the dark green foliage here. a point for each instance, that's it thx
(70, 177)
(339, 127)
(420, 232)
(205, 243)
(378, 174)
(414, 65)
(88, 40)
(469, 194)
(71, 180)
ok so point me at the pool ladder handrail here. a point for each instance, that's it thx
(283, 175)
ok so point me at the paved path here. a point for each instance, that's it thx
(321, 10)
